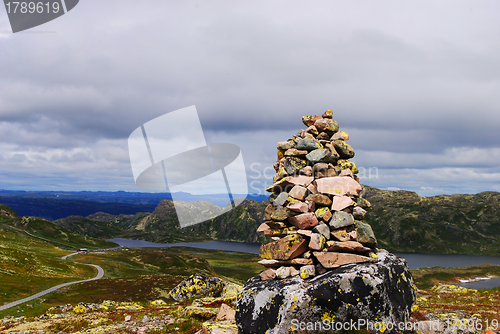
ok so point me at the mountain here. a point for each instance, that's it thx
(55, 208)
(401, 220)
(49, 231)
(461, 224)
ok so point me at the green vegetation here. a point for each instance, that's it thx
(459, 224)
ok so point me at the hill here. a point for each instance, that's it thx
(402, 221)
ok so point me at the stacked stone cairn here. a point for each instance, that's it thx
(315, 214)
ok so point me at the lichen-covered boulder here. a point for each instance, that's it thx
(197, 285)
(380, 293)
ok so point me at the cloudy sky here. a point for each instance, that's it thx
(416, 84)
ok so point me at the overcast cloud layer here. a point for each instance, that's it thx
(415, 83)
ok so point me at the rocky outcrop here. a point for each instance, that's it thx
(197, 285)
(377, 293)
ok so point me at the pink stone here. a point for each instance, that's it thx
(334, 260)
(346, 172)
(346, 246)
(263, 228)
(304, 221)
(317, 242)
(341, 234)
(298, 192)
(288, 181)
(306, 233)
(298, 207)
(341, 202)
(312, 189)
(339, 186)
(268, 274)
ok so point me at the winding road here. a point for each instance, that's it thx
(100, 274)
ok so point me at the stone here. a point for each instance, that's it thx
(339, 203)
(375, 292)
(268, 274)
(323, 213)
(344, 150)
(127, 318)
(281, 232)
(281, 199)
(342, 135)
(346, 246)
(306, 233)
(285, 145)
(341, 219)
(309, 120)
(320, 155)
(323, 136)
(286, 248)
(322, 229)
(346, 172)
(327, 125)
(348, 164)
(308, 144)
(317, 242)
(312, 189)
(307, 271)
(226, 312)
(283, 272)
(272, 197)
(289, 181)
(293, 165)
(338, 186)
(328, 114)
(319, 199)
(298, 207)
(304, 220)
(358, 213)
(200, 312)
(298, 192)
(294, 272)
(345, 234)
(145, 318)
(278, 263)
(293, 152)
(280, 173)
(365, 234)
(263, 228)
(312, 130)
(197, 285)
(280, 214)
(320, 166)
(334, 259)
(268, 211)
(306, 170)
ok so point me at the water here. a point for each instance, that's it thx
(415, 260)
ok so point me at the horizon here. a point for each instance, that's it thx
(415, 84)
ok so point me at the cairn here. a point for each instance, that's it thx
(315, 214)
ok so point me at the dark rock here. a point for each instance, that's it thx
(365, 234)
(308, 144)
(343, 149)
(375, 292)
(294, 164)
(320, 155)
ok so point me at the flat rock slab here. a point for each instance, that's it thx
(304, 220)
(293, 262)
(334, 259)
(376, 292)
(346, 246)
(286, 248)
(339, 186)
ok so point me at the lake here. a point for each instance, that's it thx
(415, 260)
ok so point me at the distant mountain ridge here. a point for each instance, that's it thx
(401, 220)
